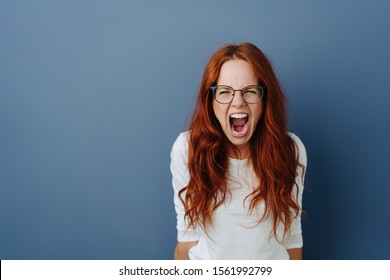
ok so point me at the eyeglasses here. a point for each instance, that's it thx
(225, 94)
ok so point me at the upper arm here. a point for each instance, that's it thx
(294, 239)
(180, 179)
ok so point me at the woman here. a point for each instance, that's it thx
(237, 173)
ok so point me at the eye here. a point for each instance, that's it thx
(223, 91)
(251, 91)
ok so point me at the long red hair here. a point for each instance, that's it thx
(273, 153)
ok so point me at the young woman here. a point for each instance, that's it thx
(237, 173)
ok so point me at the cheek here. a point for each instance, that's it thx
(219, 112)
(258, 113)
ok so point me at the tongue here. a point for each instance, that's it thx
(238, 128)
(238, 122)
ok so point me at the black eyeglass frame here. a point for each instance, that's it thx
(262, 89)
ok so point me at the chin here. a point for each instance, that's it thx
(240, 142)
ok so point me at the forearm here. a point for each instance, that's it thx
(295, 253)
(182, 249)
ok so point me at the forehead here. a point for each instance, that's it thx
(236, 73)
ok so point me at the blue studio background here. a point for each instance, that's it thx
(94, 93)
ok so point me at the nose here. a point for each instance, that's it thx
(238, 101)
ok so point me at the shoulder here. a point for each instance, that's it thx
(180, 146)
(300, 148)
(182, 140)
(298, 142)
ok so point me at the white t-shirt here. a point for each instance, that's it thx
(235, 233)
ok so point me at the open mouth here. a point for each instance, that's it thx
(238, 123)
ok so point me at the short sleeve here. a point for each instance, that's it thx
(294, 239)
(180, 179)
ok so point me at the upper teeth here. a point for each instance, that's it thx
(238, 116)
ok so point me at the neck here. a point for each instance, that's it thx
(239, 152)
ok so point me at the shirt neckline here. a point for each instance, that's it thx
(238, 161)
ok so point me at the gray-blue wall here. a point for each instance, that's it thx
(93, 94)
